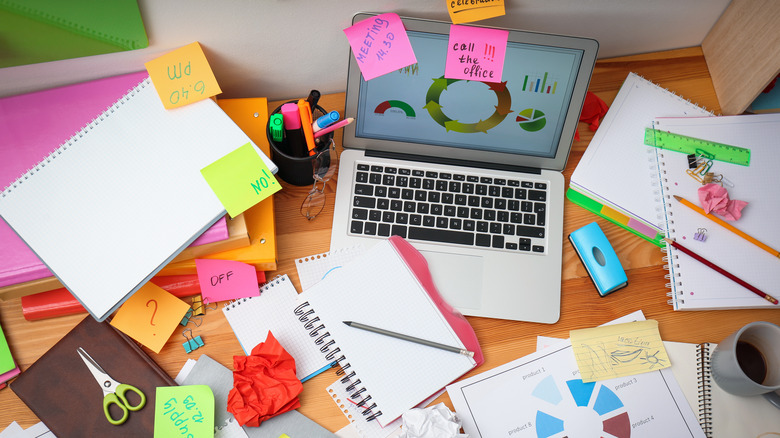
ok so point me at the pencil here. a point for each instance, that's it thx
(409, 338)
(723, 272)
(728, 226)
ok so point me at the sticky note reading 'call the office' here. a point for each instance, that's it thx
(476, 53)
(183, 76)
(465, 11)
(618, 350)
(150, 316)
(240, 179)
(380, 45)
(184, 411)
(222, 280)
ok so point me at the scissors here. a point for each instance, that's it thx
(113, 391)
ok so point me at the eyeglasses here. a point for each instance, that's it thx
(323, 170)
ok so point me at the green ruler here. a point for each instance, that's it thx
(691, 145)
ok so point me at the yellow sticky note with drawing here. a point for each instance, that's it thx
(240, 179)
(466, 11)
(619, 350)
(150, 316)
(183, 76)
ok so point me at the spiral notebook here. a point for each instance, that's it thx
(389, 287)
(617, 150)
(720, 414)
(128, 185)
(695, 286)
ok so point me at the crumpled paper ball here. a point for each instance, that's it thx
(714, 198)
(264, 384)
(435, 421)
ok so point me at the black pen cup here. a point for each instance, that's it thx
(298, 171)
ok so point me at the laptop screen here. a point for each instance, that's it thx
(415, 110)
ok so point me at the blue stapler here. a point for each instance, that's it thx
(599, 258)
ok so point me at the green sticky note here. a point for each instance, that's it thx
(240, 179)
(184, 411)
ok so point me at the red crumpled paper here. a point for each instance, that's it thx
(713, 197)
(593, 110)
(264, 384)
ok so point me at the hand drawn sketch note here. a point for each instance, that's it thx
(618, 350)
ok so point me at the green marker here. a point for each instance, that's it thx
(276, 125)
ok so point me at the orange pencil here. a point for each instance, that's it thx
(728, 226)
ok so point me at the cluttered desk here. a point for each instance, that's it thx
(503, 347)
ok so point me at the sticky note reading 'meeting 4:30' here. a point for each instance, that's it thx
(183, 76)
(150, 316)
(465, 11)
(240, 179)
(618, 350)
(476, 53)
(222, 280)
(184, 411)
(380, 45)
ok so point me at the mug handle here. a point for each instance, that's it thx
(774, 398)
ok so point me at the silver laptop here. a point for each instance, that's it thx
(469, 172)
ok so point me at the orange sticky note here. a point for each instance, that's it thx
(183, 76)
(222, 280)
(465, 11)
(150, 316)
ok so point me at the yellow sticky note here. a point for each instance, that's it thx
(150, 316)
(183, 76)
(618, 350)
(240, 179)
(466, 11)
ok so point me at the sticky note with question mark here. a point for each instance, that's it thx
(150, 316)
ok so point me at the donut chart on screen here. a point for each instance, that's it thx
(437, 111)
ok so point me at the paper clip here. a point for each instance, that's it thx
(193, 343)
(701, 235)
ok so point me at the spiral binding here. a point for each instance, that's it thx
(322, 338)
(49, 159)
(232, 304)
(674, 285)
(704, 385)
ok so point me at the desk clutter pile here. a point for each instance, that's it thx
(171, 247)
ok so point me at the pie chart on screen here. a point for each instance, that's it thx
(531, 119)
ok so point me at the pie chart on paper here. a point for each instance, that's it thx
(531, 120)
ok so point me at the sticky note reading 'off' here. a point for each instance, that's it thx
(183, 76)
(380, 45)
(184, 411)
(476, 53)
(222, 280)
(619, 350)
(465, 11)
(240, 179)
(150, 316)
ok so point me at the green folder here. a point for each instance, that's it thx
(6, 360)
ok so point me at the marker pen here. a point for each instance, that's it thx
(296, 145)
(323, 121)
(306, 122)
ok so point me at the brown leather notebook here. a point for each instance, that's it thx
(61, 391)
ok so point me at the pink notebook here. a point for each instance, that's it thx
(35, 124)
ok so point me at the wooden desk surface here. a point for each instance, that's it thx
(683, 71)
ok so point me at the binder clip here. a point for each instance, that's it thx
(199, 305)
(187, 317)
(701, 235)
(193, 343)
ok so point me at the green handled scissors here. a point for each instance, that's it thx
(113, 391)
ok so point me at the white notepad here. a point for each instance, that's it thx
(110, 207)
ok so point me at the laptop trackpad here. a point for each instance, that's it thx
(457, 277)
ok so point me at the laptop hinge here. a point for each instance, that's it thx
(453, 162)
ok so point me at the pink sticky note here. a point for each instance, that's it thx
(222, 280)
(476, 53)
(380, 45)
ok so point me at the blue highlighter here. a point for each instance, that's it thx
(599, 258)
(325, 121)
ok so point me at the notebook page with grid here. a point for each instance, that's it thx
(314, 268)
(252, 318)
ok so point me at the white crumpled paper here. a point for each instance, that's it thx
(435, 421)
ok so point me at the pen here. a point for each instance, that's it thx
(380, 331)
(305, 110)
(314, 97)
(333, 127)
(728, 226)
(722, 271)
(296, 146)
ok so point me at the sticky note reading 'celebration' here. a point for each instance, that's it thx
(240, 179)
(476, 53)
(183, 76)
(618, 350)
(380, 45)
(222, 280)
(150, 316)
(465, 11)
(184, 411)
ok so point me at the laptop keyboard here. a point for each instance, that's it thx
(467, 209)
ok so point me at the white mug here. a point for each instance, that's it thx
(747, 362)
